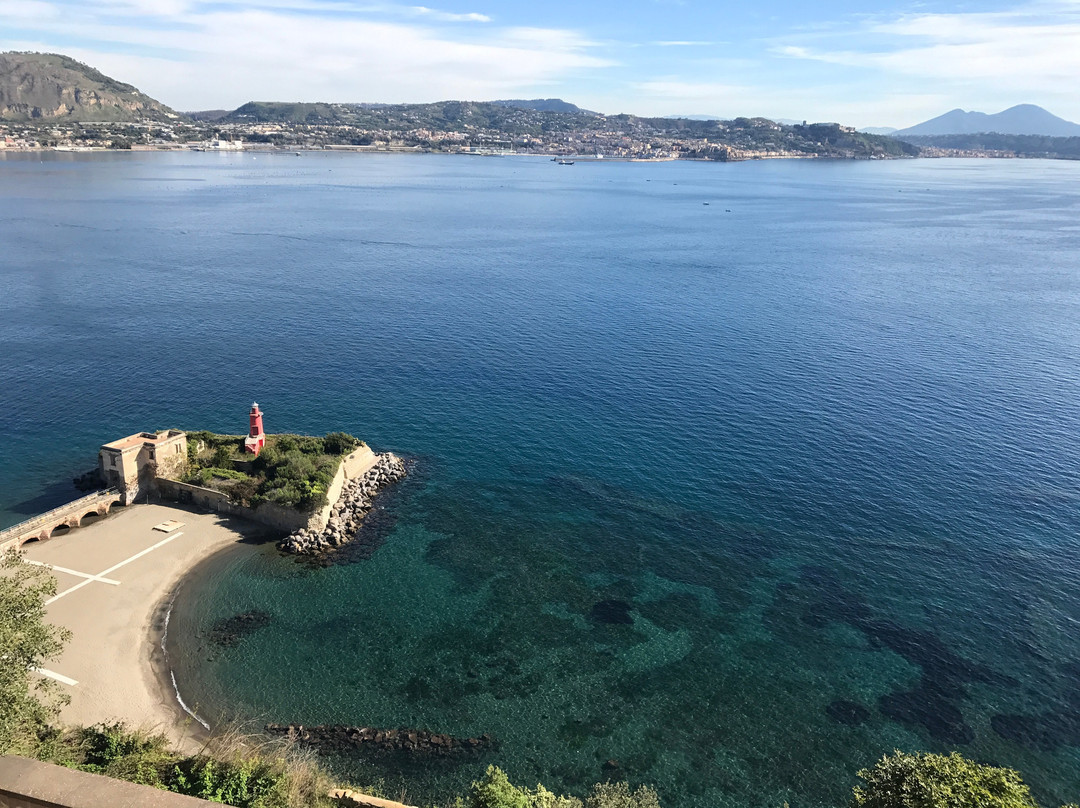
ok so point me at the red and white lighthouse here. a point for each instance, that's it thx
(256, 438)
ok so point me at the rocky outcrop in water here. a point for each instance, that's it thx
(327, 738)
(90, 481)
(229, 631)
(357, 499)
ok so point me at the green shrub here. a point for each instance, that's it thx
(618, 795)
(925, 780)
(542, 798)
(245, 492)
(222, 457)
(310, 445)
(268, 458)
(298, 480)
(230, 770)
(339, 443)
(496, 791)
(27, 701)
(113, 750)
(250, 783)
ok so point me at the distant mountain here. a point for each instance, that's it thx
(878, 130)
(443, 116)
(1023, 119)
(287, 112)
(208, 114)
(543, 105)
(48, 86)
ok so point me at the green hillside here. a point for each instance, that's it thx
(49, 87)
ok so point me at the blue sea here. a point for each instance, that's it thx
(725, 478)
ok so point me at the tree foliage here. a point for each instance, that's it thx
(619, 795)
(925, 780)
(294, 471)
(495, 790)
(340, 443)
(243, 777)
(27, 700)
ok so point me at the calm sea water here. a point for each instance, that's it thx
(738, 475)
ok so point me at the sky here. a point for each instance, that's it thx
(893, 64)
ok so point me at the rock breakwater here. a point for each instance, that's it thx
(329, 738)
(356, 500)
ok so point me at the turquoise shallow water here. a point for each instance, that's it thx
(741, 494)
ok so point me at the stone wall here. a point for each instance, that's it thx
(352, 466)
(267, 513)
(348, 798)
(171, 457)
(32, 784)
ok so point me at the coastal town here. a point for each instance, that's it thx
(619, 137)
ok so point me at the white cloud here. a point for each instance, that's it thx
(23, 11)
(895, 70)
(677, 90)
(225, 56)
(670, 96)
(1032, 51)
(446, 16)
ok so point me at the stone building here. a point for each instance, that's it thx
(132, 463)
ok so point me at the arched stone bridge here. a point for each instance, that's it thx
(39, 528)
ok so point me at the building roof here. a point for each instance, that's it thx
(141, 439)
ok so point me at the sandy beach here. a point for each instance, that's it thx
(114, 582)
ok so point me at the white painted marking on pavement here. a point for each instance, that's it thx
(57, 676)
(113, 568)
(73, 572)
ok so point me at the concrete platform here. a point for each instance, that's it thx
(113, 578)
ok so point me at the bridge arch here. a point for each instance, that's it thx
(60, 521)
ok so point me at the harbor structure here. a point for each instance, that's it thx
(131, 464)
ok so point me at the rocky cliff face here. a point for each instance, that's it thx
(48, 86)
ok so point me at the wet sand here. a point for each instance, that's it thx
(115, 580)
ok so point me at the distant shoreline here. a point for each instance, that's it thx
(937, 154)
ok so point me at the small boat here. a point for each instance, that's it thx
(566, 162)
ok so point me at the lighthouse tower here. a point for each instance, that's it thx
(256, 438)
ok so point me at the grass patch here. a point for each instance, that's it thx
(234, 769)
